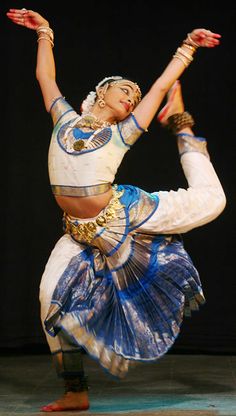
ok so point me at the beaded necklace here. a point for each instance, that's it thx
(90, 121)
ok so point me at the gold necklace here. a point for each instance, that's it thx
(90, 121)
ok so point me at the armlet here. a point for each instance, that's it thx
(188, 143)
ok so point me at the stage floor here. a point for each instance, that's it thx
(186, 385)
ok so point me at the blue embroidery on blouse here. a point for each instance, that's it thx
(79, 134)
(67, 136)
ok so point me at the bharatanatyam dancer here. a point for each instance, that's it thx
(119, 281)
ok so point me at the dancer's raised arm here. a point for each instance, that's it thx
(45, 67)
(150, 103)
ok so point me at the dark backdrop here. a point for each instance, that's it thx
(93, 40)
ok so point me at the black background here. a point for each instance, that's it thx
(93, 40)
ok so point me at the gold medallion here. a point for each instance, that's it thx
(78, 145)
(101, 221)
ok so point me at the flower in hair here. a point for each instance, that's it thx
(88, 102)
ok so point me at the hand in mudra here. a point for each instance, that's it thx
(27, 18)
(205, 38)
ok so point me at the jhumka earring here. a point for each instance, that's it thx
(101, 102)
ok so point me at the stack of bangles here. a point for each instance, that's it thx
(45, 32)
(182, 54)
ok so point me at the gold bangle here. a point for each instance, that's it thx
(44, 30)
(186, 54)
(44, 27)
(191, 41)
(182, 59)
(47, 30)
(46, 38)
(186, 45)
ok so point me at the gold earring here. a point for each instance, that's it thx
(101, 103)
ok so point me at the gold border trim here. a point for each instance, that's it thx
(60, 190)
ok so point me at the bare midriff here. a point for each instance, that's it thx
(86, 206)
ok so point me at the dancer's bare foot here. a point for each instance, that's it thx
(174, 104)
(70, 401)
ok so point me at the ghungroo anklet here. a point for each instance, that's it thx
(178, 121)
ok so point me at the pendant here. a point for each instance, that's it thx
(78, 145)
(101, 221)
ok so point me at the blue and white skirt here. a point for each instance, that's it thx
(123, 295)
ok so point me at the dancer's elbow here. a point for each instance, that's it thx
(218, 203)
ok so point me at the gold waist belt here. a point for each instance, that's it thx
(60, 190)
(84, 231)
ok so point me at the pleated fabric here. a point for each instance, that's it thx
(124, 295)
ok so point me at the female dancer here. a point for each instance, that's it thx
(119, 281)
